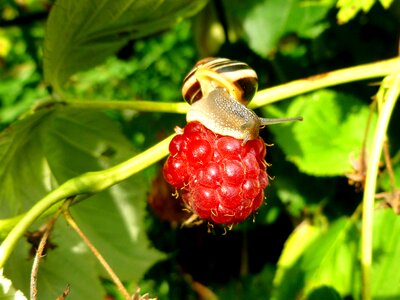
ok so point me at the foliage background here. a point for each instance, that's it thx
(304, 243)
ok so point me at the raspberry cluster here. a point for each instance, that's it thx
(220, 179)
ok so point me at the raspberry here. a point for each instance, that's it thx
(220, 179)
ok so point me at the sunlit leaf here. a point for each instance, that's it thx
(7, 291)
(295, 245)
(81, 34)
(331, 136)
(349, 8)
(28, 167)
(386, 3)
(46, 149)
(386, 250)
(315, 258)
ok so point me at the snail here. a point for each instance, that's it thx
(219, 90)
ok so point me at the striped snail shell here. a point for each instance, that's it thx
(236, 77)
(219, 90)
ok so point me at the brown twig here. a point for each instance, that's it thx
(100, 258)
(38, 256)
(65, 293)
(360, 165)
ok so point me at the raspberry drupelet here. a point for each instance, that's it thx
(220, 179)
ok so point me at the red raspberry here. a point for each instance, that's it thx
(221, 180)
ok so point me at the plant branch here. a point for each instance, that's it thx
(263, 97)
(38, 256)
(138, 105)
(389, 92)
(85, 184)
(294, 88)
(100, 258)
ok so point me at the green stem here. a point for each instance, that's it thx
(390, 99)
(87, 183)
(297, 87)
(139, 105)
(263, 97)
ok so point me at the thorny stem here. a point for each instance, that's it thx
(389, 92)
(64, 294)
(38, 256)
(362, 162)
(100, 258)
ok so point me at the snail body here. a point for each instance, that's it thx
(224, 115)
(219, 91)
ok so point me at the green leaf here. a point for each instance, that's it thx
(386, 250)
(262, 26)
(315, 258)
(24, 175)
(295, 245)
(42, 151)
(349, 8)
(331, 135)
(7, 291)
(386, 3)
(81, 34)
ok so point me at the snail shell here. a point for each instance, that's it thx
(236, 77)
